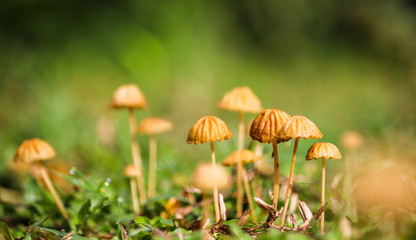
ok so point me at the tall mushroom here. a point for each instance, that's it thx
(325, 151)
(132, 172)
(297, 127)
(33, 151)
(243, 157)
(241, 100)
(263, 129)
(153, 126)
(129, 96)
(210, 129)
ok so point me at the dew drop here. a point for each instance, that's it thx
(75, 180)
(102, 190)
(72, 171)
(108, 179)
(107, 183)
(120, 199)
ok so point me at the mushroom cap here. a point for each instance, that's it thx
(351, 139)
(205, 177)
(153, 125)
(131, 171)
(32, 150)
(245, 156)
(298, 127)
(208, 129)
(323, 149)
(128, 96)
(268, 124)
(240, 99)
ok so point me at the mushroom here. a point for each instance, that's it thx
(33, 151)
(153, 126)
(243, 157)
(263, 129)
(133, 173)
(241, 100)
(129, 96)
(297, 127)
(210, 129)
(325, 151)
(207, 178)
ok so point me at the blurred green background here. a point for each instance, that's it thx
(346, 65)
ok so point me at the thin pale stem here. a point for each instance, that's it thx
(290, 184)
(152, 165)
(134, 199)
(323, 196)
(206, 210)
(135, 151)
(276, 177)
(249, 196)
(215, 192)
(55, 195)
(239, 165)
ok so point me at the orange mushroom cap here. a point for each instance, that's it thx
(34, 149)
(240, 99)
(268, 124)
(323, 150)
(298, 127)
(131, 171)
(153, 125)
(245, 156)
(208, 129)
(128, 96)
(206, 176)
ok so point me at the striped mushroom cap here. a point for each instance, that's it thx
(128, 96)
(268, 124)
(240, 99)
(245, 156)
(323, 150)
(33, 150)
(208, 129)
(153, 125)
(298, 127)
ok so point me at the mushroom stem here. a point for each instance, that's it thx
(239, 165)
(215, 193)
(290, 184)
(55, 195)
(205, 205)
(152, 165)
(323, 195)
(276, 176)
(134, 196)
(249, 197)
(135, 151)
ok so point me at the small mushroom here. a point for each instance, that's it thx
(243, 157)
(129, 96)
(297, 127)
(153, 126)
(33, 151)
(241, 100)
(325, 151)
(263, 129)
(133, 173)
(210, 129)
(207, 178)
